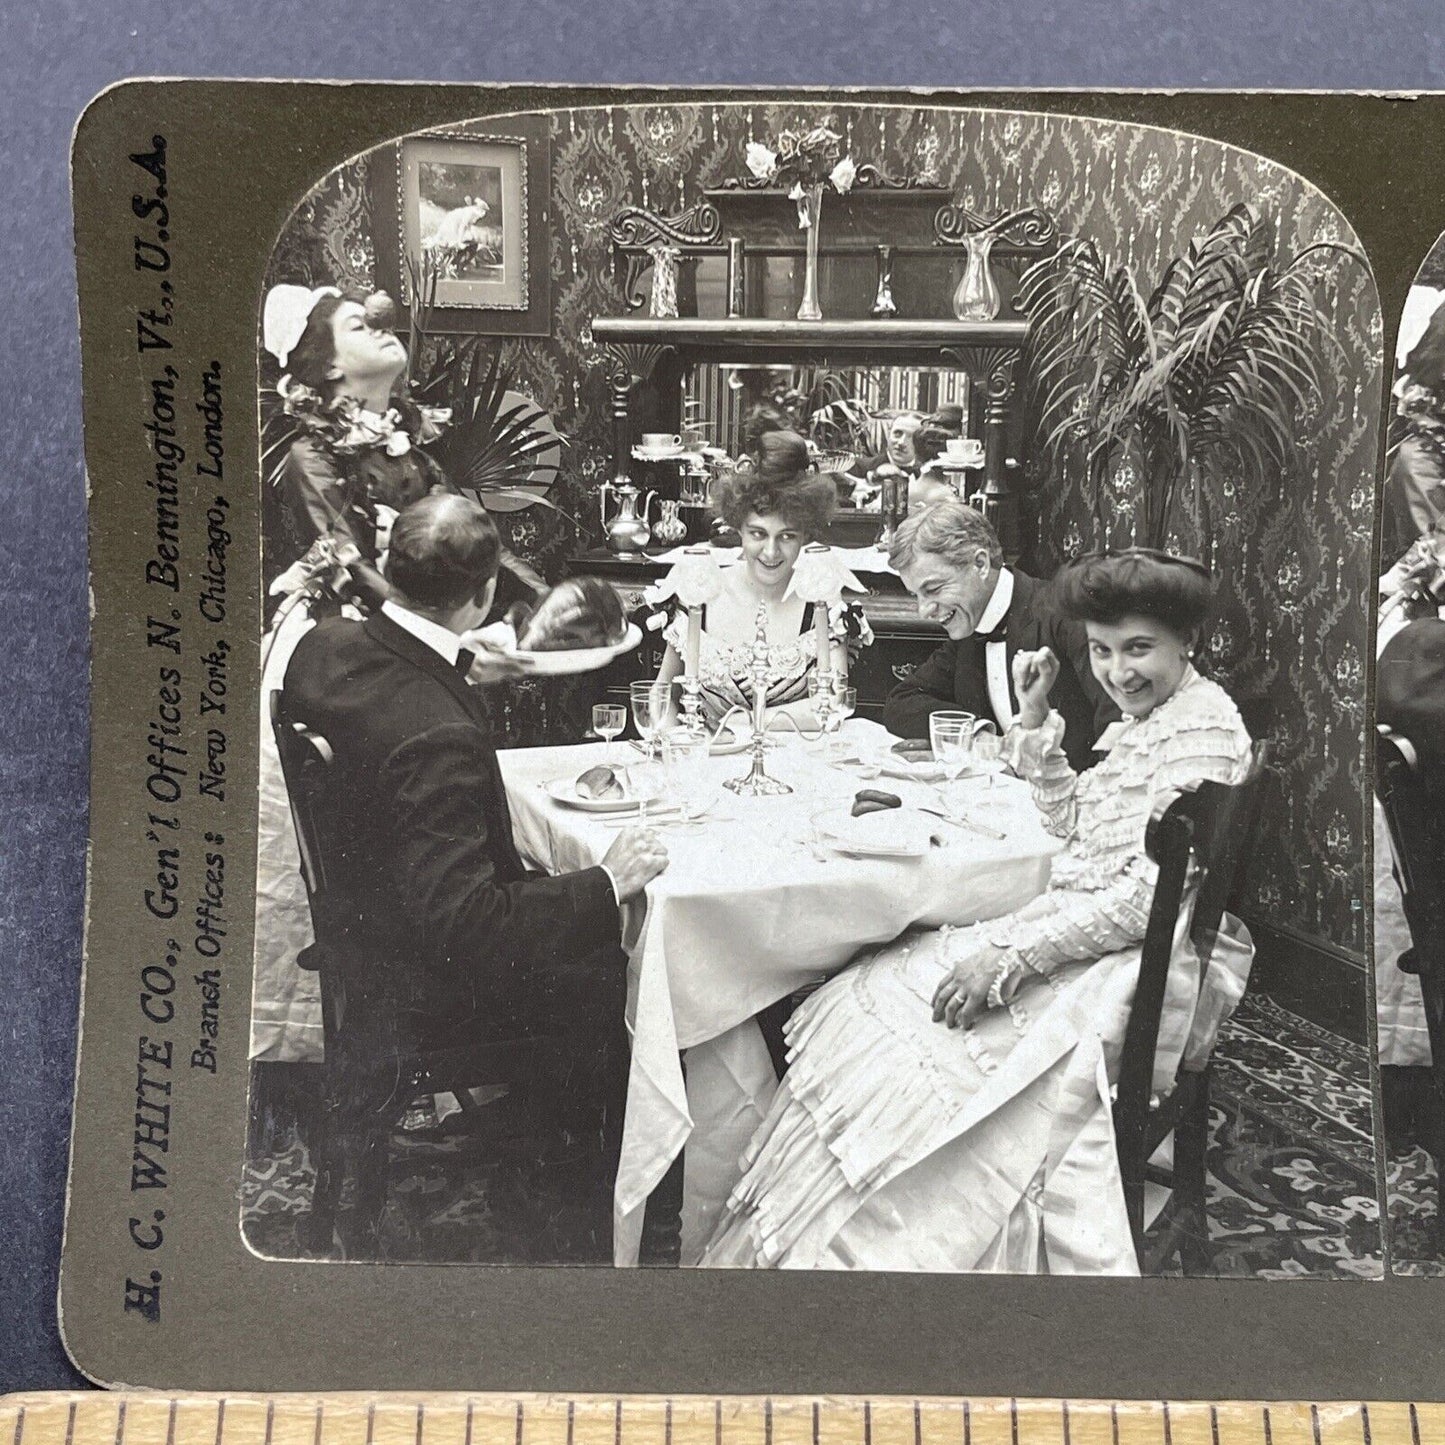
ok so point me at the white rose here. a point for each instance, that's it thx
(842, 175)
(760, 160)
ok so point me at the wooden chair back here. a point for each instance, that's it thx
(1417, 840)
(1199, 844)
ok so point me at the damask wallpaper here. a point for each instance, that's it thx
(1290, 637)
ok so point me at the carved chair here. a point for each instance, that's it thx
(1417, 840)
(1199, 843)
(369, 1077)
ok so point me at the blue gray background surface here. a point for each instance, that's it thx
(54, 58)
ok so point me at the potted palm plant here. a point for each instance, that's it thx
(1202, 384)
(496, 447)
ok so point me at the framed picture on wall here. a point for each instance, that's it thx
(470, 226)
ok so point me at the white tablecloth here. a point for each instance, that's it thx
(743, 916)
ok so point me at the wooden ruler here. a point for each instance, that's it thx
(395, 1419)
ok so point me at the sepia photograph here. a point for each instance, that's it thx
(845, 748)
(459, 216)
(462, 221)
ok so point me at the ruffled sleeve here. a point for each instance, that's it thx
(675, 632)
(1103, 887)
(1037, 755)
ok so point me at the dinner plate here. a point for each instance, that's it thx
(564, 791)
(580, 659)
(729, 743)
(893, 766)
(888, 833)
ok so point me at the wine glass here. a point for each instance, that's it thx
(950, 735)
(845, 704)
(608, 721)
(649, 710)
(987, 747)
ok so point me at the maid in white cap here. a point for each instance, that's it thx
(355, 463)
(351, 467)
(1414, 494)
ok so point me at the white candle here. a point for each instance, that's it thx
(825, 649)
(694, 640)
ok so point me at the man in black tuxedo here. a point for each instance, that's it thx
(459, 942)
(1410, 694)
(950, 560)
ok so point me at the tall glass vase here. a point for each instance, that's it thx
(810, 310)
(977, 297)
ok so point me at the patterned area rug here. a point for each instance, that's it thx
(1412, 1193)
(1292, 1186)
(1292, 1190)
(454, 1197)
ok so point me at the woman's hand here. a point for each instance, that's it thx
(962, 997)
(1034, 675)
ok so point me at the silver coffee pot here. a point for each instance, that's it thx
(629, 529)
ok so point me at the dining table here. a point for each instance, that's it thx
(758, 903)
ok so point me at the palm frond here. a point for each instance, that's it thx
(1207, 378)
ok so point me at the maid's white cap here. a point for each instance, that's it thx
(285, 314)
(1421, 303)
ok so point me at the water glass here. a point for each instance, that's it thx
(950, 735)
(845, 704)
(608, 721)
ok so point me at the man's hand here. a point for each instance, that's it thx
(1034, 676)
(635, 858)
(493, 662)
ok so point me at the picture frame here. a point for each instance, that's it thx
(474, 202)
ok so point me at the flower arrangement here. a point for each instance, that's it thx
(1420, 413)
(347, 429)
(802, 162)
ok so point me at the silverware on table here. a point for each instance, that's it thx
(968, 823)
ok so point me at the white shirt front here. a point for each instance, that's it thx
(995, 654)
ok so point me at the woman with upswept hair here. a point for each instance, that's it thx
(777, 508)
(947, 1101)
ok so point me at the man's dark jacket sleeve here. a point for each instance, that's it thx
(929, 688)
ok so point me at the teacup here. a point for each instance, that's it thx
(968, 450)
(660, 441)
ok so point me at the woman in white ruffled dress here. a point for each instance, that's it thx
(947, 1102)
